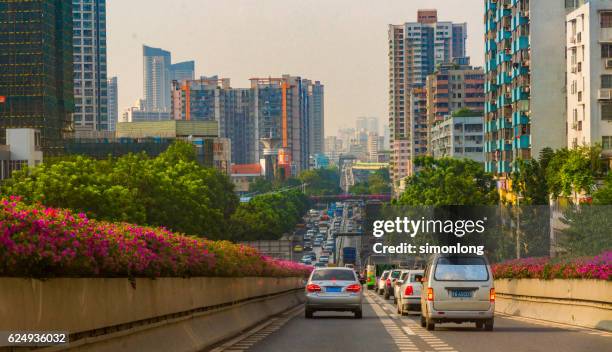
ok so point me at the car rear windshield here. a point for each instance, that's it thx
(461, 269)
(333, 274)
(395, 274)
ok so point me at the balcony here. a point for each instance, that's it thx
(502, 123)
(519, 44)
(490, 106)
(519, 20)
(490, 126)
(501, 13)
(522, 142)
(519, 93)
(490, 87)
(490, 45)
(519, 71)
(502, 144)
(490, 5)
(504, 57)
(503, 167)
(503, 100)
(519, 118)
(503, 78)
(491, 65)
(490, 166)
(490, 25)
(503, 35)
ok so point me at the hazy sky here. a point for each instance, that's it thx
(342, 43)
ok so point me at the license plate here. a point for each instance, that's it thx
(461, 294)
(333, 289)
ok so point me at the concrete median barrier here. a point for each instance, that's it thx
(144, 315)
(586, 303)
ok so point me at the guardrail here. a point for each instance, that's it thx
(178, 314)
(579, 302)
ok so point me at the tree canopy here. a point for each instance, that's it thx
(321, 182)
(378, 182)
(448, 181)
(171, 190)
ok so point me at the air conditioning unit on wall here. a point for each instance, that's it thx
(609, 63)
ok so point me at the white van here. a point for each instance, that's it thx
(458, 288)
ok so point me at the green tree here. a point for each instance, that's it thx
(449, 181)
(321, 182)
(171, 190)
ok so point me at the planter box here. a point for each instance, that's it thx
(586, 303)
(81, 305)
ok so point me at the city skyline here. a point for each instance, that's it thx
(221, 48)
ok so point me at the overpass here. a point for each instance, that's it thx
(345, 197)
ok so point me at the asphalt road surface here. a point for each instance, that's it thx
(381, 330)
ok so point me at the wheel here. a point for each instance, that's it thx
(399, 309)
(358, 314)
(394, 300)
(386, 295)
(479, 325)
(423, 322)
(431, 326)
(308, 313)
(488, 325)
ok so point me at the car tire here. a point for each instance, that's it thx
(423, 321)
(358, 314)
(386, 295)
(479, 325)
(308, 313)
(430, 325)
(399, 309)
(488, 325)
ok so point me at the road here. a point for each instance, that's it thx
(381, 330)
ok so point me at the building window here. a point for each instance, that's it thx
(606, 51)
(606, 142)
(606, 81)
(606, 112)
(606, 20)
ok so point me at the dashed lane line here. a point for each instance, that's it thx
(247, 340)
(401, 340)
(432, 341)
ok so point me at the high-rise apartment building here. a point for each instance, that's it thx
(589, 75)
(452, 88)
(159, 73)
(281, 112)
(182, 71)
(274, 114)
(90, 72)
(316, 111)
(415, 49)
(113, 103)
(157, 78)
(36, 69)
(212, 98)
(525, 80)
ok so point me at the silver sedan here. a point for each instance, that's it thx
(334, 289)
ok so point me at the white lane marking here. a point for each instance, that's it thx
(398, 335)
(408, 330)
(431, 340)
(258, 333)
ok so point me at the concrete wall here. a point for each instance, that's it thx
(586, 303)
(188, 313)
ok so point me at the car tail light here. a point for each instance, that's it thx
(492, 295)
(388, 282)
(313, 288)
(408, 291)
(430, 294)
(353, 288)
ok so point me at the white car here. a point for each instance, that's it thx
(408, 296)
(382, 281)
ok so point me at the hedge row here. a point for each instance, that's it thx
(43, 242)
